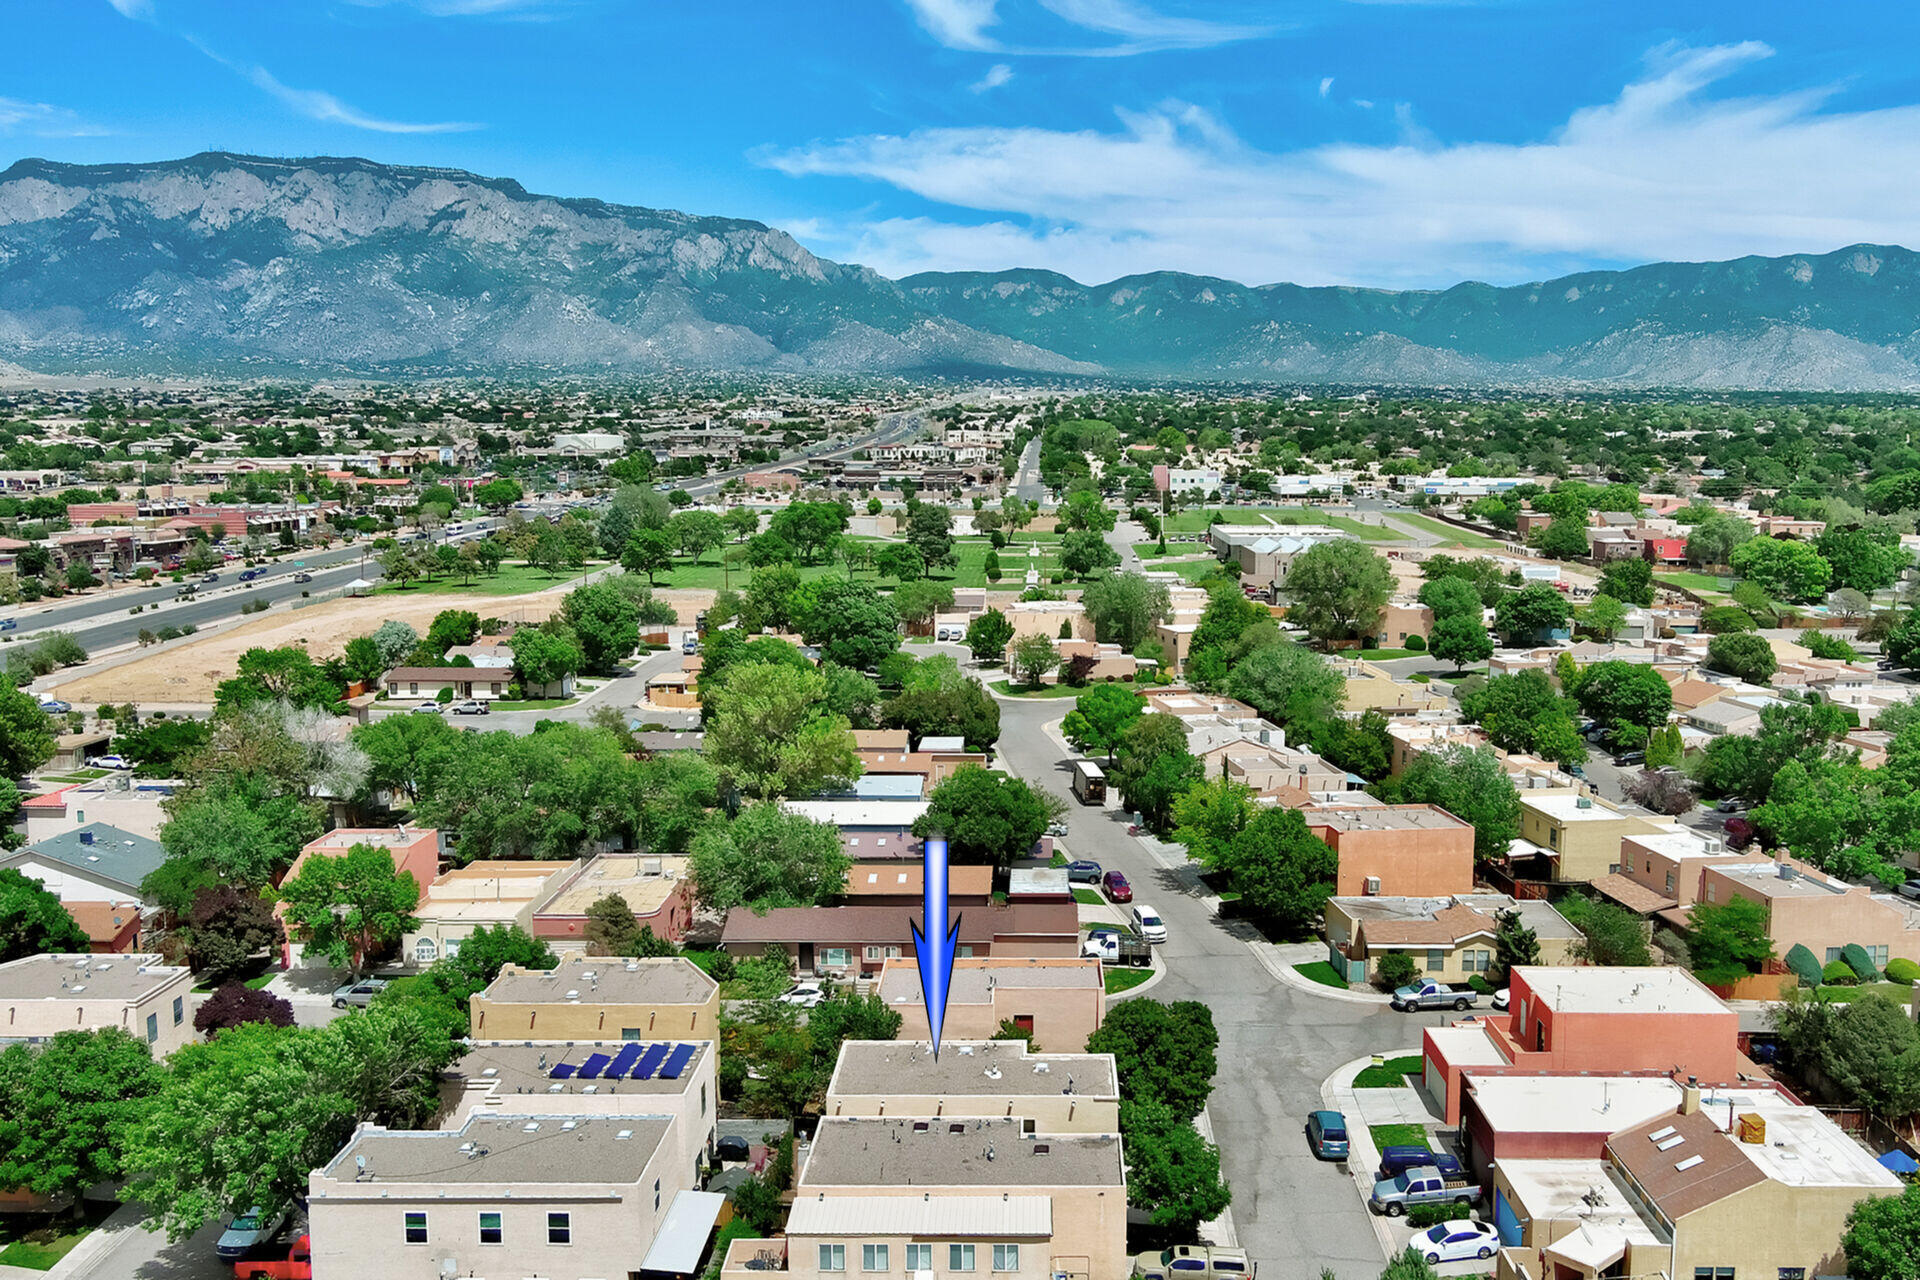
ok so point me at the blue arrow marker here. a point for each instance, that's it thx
(936, 961)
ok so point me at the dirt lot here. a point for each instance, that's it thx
(188, 672)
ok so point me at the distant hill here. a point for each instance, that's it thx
(236, 263)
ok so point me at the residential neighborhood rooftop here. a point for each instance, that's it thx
(974, 983)
(956, 1153)
(68, 976)
(1570, 1104)
(526, 1066)
(561, 1149)
(963, 1217)
(1598, 989)
(995, 1068)
(604, 980)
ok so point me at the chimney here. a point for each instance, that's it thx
(1690, 1097)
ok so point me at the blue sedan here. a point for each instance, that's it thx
(1327, 1135)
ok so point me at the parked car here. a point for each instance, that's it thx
(55, 706)
(248, 1232)
(111, 762)
(1499, 1001)
(1192, 1262)
(1118, 890)
(1056, 829)
(1396, 1160)
(428, 709)
(804, 995)
(1432, 995)
(1083, 872)
(470, 707)
(1626, 758)
(359, 994)
(1910, 890)
(1117, 946)
(1452, 1241)
(1396, 1195)
(296, 1265)
(1148, 924)
(1327, 1135)
(1732, 804)
(734, 1148)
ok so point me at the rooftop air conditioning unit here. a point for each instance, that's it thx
(1373, 884)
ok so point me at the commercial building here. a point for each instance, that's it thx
(1406, 850)
(656, 889)
(1450, 938)
(138, 993)
(976, 1079)
(1062, 1000)
(605, 998)
(842, 941)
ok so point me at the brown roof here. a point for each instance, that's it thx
(103, 922)
(400, 675)
(868, 879)
(1691, 693)
(1631, 894)
(1449, 926)
(1714, 1170)
(881, 739)
(883, 925)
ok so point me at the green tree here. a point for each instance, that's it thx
(916, 603)
(612, 930)
(1125, 608)
(1281, 869)
(987, 817)
(1610, 935)
(351, 906)
(1165, 1054)
(769, 735)
(1514, 945)
(1288, 684)
(227, 928)
(1451, 597)
(1784, 569)
(66, 1107)
(545, 655)
(930, 532)
(1338, 590)
(1471, 784)
(452, 627)
(900, 562)
(988, 636)
(1728, 940)
(853, 624)
(395, 640)
(1100, 717)
(399, 567)
(286, 674)
(1033, 658)
(1208, 815)
(1615, 694)
(648, 551)
(1084, 553)
(1628, 581)
(697, 532)
(1863, 559)
(1512, 709)
(605, 623)
(1604, 616)
(1743, 655)
(1172, 1172)
(1460, 638)
(1882, 1239)
(362, 661)
(1563, 538)
(498, 494)
(966, 709)
(1713, 540)
(32, 921)
(613, 531)
(1531, 613)
(1724, 619)
(767, 857)
(238, 830)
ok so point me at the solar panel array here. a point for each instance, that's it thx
(633, 1061)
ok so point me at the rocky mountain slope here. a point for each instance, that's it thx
(231, 263)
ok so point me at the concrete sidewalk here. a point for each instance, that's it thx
(1281, 957)
(98, 1243)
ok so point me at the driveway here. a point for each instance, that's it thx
(1277, 1043)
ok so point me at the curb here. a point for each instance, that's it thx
(1266, 953)
(1338, 1094)
(1159, 971)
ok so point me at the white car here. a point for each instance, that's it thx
(1500, 1000)
(1453, 1241)
(804, 995)
(428, 709)
(471, 707)
(1148, 924)
(111, 762)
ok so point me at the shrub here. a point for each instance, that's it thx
(1803, 963)
(1838, 974)
(1416, 644)
(1860, 962)
(443, 697)
(1395, 969)
(1431, 1215)
(1901, 969)
(1725, 619)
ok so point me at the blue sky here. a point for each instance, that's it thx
(1319, 141)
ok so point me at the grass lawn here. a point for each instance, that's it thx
(1387, 655)
(1049, 690)
(532, 704)
(1440, 529)
(1398, 1135)
(37, 1244)
(1174, 551)
(1088, 897)
(1321, 972)
(1695, 581)
(706, 959)
(512, 580)
(255, 983)
(1390, 1074)
(1899, 992)
(1119, 980)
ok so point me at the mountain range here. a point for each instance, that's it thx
(325, 266)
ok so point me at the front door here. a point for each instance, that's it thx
(806, 957)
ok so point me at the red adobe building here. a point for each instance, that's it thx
(1662, 549)
(1593, 1021)
(416, 852)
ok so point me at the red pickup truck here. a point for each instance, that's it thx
(297, 1265)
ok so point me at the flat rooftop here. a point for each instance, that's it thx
(956, 1153)
(1561, 807)
(487, 1151)
(1585, 1189)
(1581, 989)
(1418, 817)
(989, 1068)
(1767, 880)
(1571, 1104)
(604, 980)
(625, 874)
(85, 977)
(975, 984)
(1803, 1148)
(1467, 1045)
(1681, 845)
(526, 1066)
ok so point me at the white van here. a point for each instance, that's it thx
(1148, 924)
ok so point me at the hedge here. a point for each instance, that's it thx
(1860, 962)
(1901, 969)
(1801, 961)
(1838, 973)
(1415, 644)
(1432, 1215)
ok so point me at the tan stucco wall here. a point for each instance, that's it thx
(591, 1020)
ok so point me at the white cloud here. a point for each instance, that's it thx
(997, 74)
(140, 10)
(43, 120)
(1663, 171)
(317, 104)
(1326, 85)
(964, 24)
(534, 10)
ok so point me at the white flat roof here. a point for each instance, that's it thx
(1584, 1189)
(1803, 1147)
(1563, 807)
(1658, 989)
(1571, 1104)
(1467, 1045)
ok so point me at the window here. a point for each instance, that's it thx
(875, 953)
(180, 1006)
(964, 952)
(873, 1257)
(453, 948)
(1436, 959)
(833, 1257)
(490, 1232)
(919, 1257)
(959, 1257)
(631, 1033)
(416, 1228)
(1879, 955)
(1553, 837)
(1669, 882)
(703, 1099)
(1006, 1257)
(425, 952)
(559, 1228)
(1793, 1273)
(153, 1027)
(836, 957)
(1478, 961)
(1833, 953)
(1713, 1273)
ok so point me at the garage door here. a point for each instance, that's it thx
(1436, 1082)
